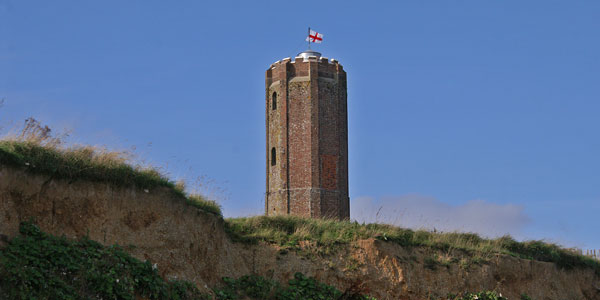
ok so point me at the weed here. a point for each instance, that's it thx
(302, 287)
(525, 297)
(331, 265)
(477, 260)
(253, 286)
(353, 264)
(34, 132)
(485, 295)
(430, 263)
(464, 263)
(446, 260)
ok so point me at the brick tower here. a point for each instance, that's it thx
(307, 138)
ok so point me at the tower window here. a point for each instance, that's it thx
(274, 99)
(273, 156)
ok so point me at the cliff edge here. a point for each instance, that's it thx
(188, 243)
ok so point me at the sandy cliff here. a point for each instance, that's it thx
(188, 243)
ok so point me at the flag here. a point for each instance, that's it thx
(314, 37)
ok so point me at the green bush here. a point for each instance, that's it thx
(302, 287)
(255, 287)
(299, 288)
(36, 265)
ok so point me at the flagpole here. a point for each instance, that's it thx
(308, 37)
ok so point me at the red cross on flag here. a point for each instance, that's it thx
(314, 37)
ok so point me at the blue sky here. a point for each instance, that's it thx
(469, 115)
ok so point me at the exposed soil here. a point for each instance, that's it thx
(190, 244)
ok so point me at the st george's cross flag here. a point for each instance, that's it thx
(314, 37)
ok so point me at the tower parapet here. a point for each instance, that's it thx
(307, 138)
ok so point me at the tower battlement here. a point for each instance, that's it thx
(307, 138)
(300, 65)
(304, 59)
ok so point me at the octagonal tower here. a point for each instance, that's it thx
(307, 138)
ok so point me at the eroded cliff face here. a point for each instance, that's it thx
(190, 244)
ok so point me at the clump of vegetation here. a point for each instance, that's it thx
(486, 295)
(36, 265)
(288, 231)
(207, 205)
(430, 263)
(36, 150)
(255, 287)
(525, 297)
(541, 251)
(300, 287)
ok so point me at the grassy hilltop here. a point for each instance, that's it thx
(57, 268)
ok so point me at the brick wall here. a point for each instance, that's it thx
(309, 132)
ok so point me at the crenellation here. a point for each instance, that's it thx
(311, 59)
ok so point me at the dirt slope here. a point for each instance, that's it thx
(188, 243)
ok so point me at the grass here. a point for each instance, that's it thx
(328, 234)
(36, 151)
(207, 205)
(80, 163)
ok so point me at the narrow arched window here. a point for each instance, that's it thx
(273, 156)
(274, 99)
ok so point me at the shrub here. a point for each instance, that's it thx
(36, 265)
(299, 288)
